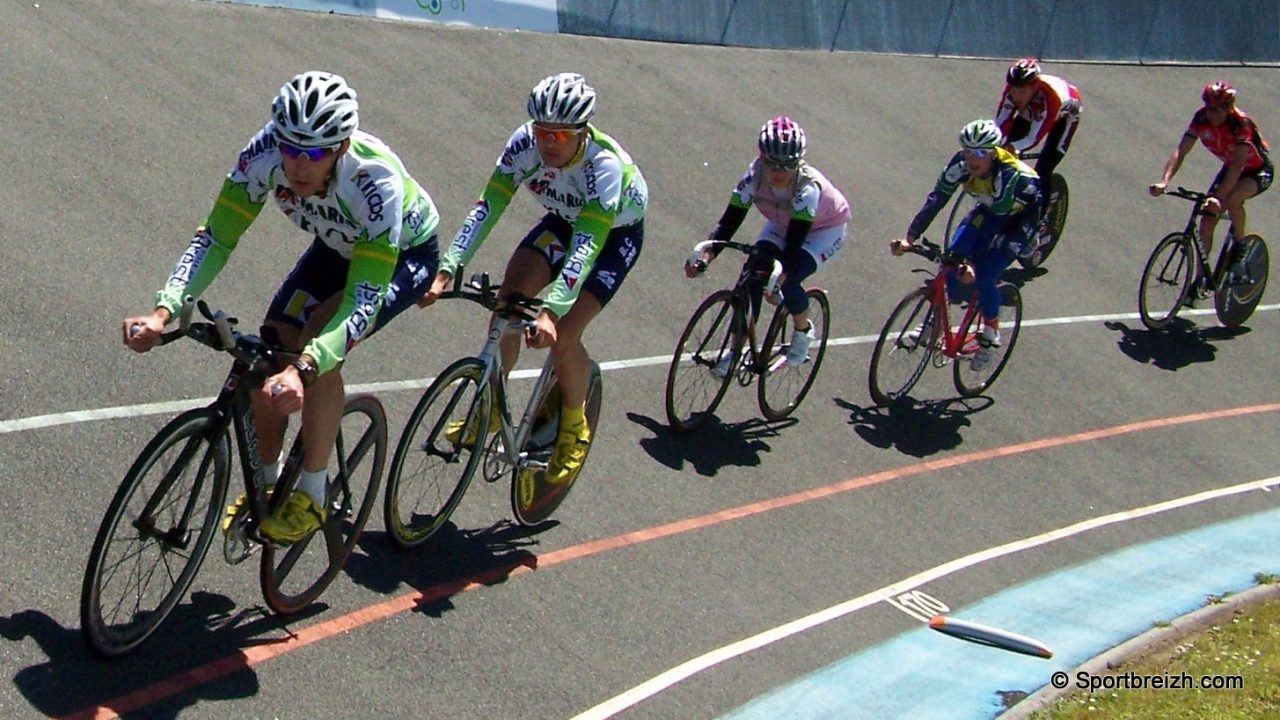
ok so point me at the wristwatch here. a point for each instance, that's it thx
(306, 371)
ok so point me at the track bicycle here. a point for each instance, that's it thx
(1049, 231)
(723, 326)
(919, 333)
(1179, 260)
(170, 505)
(463, 420)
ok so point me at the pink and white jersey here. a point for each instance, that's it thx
(813, 198)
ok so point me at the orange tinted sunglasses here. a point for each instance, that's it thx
(563, 135)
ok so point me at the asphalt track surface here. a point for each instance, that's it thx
(122, 118)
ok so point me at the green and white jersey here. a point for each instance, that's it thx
(597, 191)
(371, 211)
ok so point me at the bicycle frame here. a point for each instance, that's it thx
(1192, 230)
(953, 341)
(743, 311)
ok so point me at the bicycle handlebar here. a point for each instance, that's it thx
(695, 259)
(219, 333)
(933, 252)
(1185, 194)
(481, 291)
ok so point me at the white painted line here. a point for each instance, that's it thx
(36, 422)
(681, 672)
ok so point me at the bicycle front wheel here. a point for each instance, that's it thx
(1055, 222)
(1236, 302)
(694, 388)
(906, 344)
(971, 381)
(783, 387)
(292, 577)
(1166, 280)
(155, 534)
(438, 453)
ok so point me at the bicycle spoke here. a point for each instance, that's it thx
(693, 389)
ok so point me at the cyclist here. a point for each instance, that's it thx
(1001, 223)
(805, 219)
(1232, 137)
(373, 249)
(1037, 108)
(583, 246)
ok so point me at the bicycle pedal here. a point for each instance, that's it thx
(236, 545)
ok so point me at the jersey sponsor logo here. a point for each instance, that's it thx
(589, 176)
(191, 260)
(372, 197)
(636, 197)
(544, 189)
(575, 263)
(608, 278)
(508, 158)
(260, 145)
(475, 219)
(368, 298)
(301, 305)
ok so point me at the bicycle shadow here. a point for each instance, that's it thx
(713, 446)
(205, 634)
(1178, 345)
(913, 427)
(453, 560)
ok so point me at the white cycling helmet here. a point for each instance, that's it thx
(315, 109)
(563, 99)
(981, 135)
(782, 141)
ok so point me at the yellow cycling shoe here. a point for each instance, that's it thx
(453, 433)
(570, 454)
(238, 509)
(294, 520)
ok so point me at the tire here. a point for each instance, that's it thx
(693, 392)
(1235, 304)
(971, 383)
(782, 390)
(960, 208)
(533, 499)
(898, 360)
(183, 470)
(429, 475)
(1166, 280)
(355, 475)
(1056, 219)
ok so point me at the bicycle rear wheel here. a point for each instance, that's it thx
(693, 390)
(429, 472)
(901, 354)
(1235, 303)
(533, 499)
(155, 534)
(291, 576)
(782, 388)
(1166, 280)
(969, 382)
(1054, 223)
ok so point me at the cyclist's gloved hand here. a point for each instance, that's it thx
(964, 271)
(543, 333)
(438, 287)
(1157, 189)
(1212, 205)
(141, 333)
(898, 246)
(283, 391)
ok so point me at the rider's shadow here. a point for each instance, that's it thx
(713, 446)
(914, 428)
(453, 560)
(1020, 276)
(206, 632)
(1176, 346)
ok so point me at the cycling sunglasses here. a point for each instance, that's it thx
(312, 154)
(781, 166)
(561, 135)
(978, 153)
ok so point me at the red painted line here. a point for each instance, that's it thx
(256, 654)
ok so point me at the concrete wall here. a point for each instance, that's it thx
(1235, 31)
